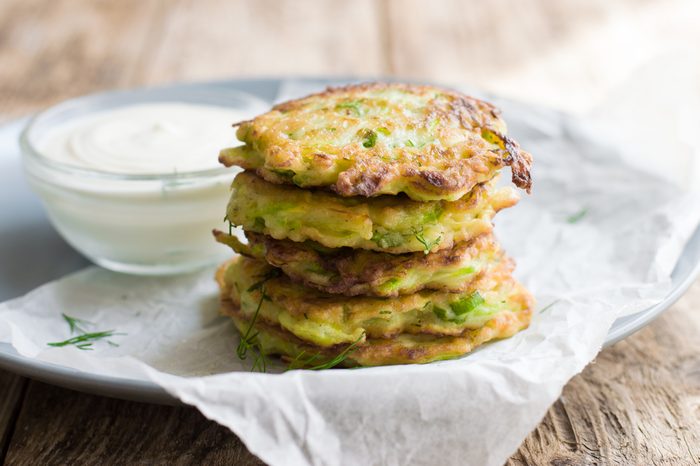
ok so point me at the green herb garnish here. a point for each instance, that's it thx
(387, 240)
(440, 312)
(384, 130)
(230, 225)
(548, 306)
(460, 309)
(468, 304)
(284, 173)
(410, 143)
(75, 324)
(273, 273)
(299, 362)
(427, 245)
(248, 340)
(353, 105)
(258, 224)
(260, 361)
(84, 341)
(493, 137)
(370, 139)
(577, 216)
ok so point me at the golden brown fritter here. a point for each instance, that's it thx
(353, 272)
(419, 328)
(393, 224)
(326, 320)
(373, 139)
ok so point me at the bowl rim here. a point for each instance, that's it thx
(31, 152)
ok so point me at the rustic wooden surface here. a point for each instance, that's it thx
(637, 403)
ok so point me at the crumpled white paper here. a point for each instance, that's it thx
(616, 259)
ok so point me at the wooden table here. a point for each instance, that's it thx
(637, 403)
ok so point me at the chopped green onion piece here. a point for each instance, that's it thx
(353, 105)
(370, 139)
(468, 304)
(383, 130)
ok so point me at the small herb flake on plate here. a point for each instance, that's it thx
(575, 218)
(548, 307)
(85, 339)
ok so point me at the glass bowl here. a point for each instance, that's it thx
(141, 224)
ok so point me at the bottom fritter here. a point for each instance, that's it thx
(312, 328)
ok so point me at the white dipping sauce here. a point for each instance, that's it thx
(154, 138)
(159, 223)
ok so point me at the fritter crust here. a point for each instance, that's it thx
(327, 320)
(392, 224)
(353, 272)
(373, 139)
(372, 349)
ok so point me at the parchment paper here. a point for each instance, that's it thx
(616, 259)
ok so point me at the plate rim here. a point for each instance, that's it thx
(150, 392)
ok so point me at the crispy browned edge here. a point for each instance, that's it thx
(277, 252)
(519, 160)
(371, 352)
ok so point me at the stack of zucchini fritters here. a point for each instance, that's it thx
(368, 211)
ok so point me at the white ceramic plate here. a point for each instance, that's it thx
(32, 253)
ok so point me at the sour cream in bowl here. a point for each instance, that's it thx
(132, 180)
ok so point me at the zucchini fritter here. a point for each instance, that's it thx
(327, 320)
(353, 272)
(373, 139)
(418, 328)
(392, 224)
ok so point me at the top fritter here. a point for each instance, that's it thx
(373, 139)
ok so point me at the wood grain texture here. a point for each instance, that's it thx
(638, 403)
(217, 39)
(60, 49)
(12, 388)
(63, 48)
(58, 426)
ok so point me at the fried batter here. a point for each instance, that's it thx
(393, 224)
(420, 328)
(327, 320)
(374, 139)
(353, 272)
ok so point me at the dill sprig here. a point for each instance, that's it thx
(249, 340)
(548, 306)
(84, 341)
(577, 216)
(260, 362)
(76, 324)
(427, 245)
(273, 273)
(299, 362)
(230, 224)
